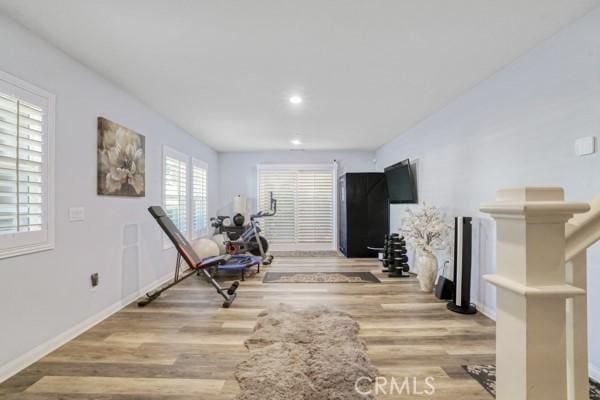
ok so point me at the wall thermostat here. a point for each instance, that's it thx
(585, 146)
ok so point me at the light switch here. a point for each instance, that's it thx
(76, 214)
(585, 146)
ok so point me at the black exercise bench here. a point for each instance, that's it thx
(195, 263)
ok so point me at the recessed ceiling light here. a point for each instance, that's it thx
(296, 142)
(295, 99)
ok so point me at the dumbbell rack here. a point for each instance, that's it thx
(395, 260)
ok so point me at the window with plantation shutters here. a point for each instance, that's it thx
(25, 187)
(199, 198)
(185, 193)
(305, 206)
(175, 189)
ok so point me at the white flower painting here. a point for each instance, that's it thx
(121, 160)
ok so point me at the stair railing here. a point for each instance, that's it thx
(535, 356)
(582, 231)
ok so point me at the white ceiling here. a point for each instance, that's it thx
(367, 69)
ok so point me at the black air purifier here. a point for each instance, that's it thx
(444, 288)
(461, 301)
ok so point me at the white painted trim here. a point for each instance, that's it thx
(257, 189)
(196, 162)
(40, 351)
(594, 372)
(295, 167)
(566, 291)
(204, 232)
(28, 249)
(168, 151)
(336, 239)
(487, 311)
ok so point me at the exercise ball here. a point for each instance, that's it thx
(206, 248)
(220, 240)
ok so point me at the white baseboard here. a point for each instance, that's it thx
(40, 351)
(487, 311)
(594, 372)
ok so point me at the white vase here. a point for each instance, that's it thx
(427, 267)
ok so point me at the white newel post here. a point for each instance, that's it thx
(530, 278)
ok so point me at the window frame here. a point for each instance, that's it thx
(198, 234)
(190, 163)
(333, 168)
(171, 152)
(22, 243)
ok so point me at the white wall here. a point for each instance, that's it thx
(516, 128)
(43, 295)
(238, 170)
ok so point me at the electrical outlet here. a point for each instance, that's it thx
(94, 279)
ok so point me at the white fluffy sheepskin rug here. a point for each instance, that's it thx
(310, 353)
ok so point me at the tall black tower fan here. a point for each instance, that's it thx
(461, 301)
(363, 213)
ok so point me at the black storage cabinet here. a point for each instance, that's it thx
(364, 213)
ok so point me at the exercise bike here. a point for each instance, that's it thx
(250, 239)
(223, 225)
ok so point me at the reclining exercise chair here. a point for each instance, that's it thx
(196, 264)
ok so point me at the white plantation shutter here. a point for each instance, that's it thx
(8, 165)
(199, 198)
(305, 206)
(314, 207)
(25, 212)
(175, 189)
(185, 193)
(280, 228)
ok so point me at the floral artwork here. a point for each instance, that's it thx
(121, 160)
(426, 228)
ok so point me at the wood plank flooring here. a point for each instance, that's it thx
(185, 346)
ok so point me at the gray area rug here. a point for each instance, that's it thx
(320, 277)
(310, 353)
(486, 376)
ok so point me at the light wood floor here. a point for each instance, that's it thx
(185, 346)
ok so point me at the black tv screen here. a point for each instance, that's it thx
(400, 183)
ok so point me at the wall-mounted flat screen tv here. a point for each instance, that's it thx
(401, 183)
